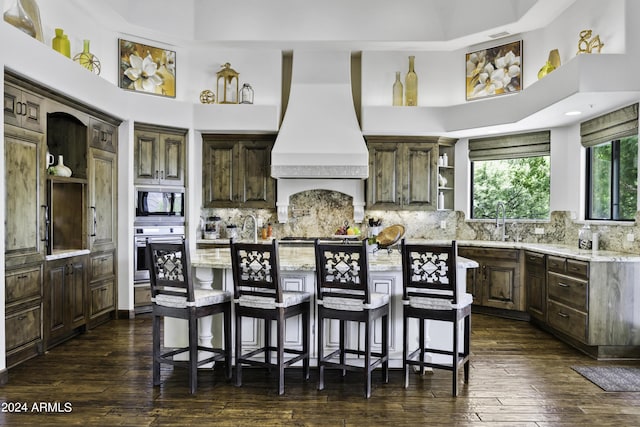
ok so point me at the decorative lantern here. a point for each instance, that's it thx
(227, 85)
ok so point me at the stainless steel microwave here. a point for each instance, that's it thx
(159, 203)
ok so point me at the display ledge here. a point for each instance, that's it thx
(578, 84)
(66, 253)
(236, 118)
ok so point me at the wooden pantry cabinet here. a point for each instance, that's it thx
(54, 225)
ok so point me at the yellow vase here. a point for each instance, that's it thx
(61, 43)
(546, 69)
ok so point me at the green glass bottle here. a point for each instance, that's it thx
(61, 43)
(397, 91)
(411, 85)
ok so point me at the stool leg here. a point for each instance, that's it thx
(227, 340)
(280, 338)
(405, 349)
(367, 358)
(238, 348)
(305, 341)
(455, 359)
(193, 352)
(156, 349)
(320, 352)
(385, 348)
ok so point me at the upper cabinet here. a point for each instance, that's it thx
(236, 171)
(159, 156)
(402, 172)
(22, 108)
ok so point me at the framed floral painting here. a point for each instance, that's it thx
(494, 71)
(147, 69)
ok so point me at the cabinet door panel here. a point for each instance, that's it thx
(12, 98)
(103, 199)
(23, 327)
(76, 291)
(22, 195)
(56, 300)
(417, 187)
(500, 287)
(172, 170)
(258, 186)
(218, 174)
(384, 175)
(146, 158)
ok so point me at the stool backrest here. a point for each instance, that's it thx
(342, 270)
(169, 266)
(429, 270)
(256, 270)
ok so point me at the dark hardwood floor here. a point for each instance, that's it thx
(520, 376)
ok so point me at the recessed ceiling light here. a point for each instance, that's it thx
(573, 113)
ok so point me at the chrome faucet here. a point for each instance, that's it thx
(500, 205)
(255, 226)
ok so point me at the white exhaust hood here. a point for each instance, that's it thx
(320, 144)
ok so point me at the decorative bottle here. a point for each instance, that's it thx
(397, 91)
(61, 43)
(87, 59)
(60, 169)
(585, 238)
(18, 17)
(441, 200)
(411, 85)
(246, 94)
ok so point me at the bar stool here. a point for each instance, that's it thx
(258, 294)
(430, 292)
(173, 295)
(343, 294)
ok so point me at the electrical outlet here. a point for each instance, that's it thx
(538, 230)
(260, 223)
(443, 224)
(630, 237)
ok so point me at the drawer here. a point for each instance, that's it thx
(141, 296)
(534, 259)
(578, 268)
(492, 253)
(102, 265)
(23, 283)
(557, 264)
(569, 291)
(23, 327)
(567, 320)
(102, 298)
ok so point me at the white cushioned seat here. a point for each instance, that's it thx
(351, 304)
(203, 297)
(289, 298)
(439, 304)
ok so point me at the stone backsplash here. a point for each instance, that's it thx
(320, 212)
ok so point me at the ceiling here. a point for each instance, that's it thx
(353, 24)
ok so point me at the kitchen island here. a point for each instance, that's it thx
(212, 268)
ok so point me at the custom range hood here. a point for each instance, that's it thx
(320, 145)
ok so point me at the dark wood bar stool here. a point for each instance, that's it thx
(173, 295)
(342, 280)
(430, 293)
(258, 294)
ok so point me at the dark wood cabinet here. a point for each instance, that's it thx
(159, 156)
(22, 108)
(402, 173)
(536, 285)
(103, 136)
(236, 171)
(496, 283)
(103, 203)
(101, 302)
(64, 302)
(23, 314)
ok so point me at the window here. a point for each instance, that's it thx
(513, 169)
(611, 143)
(612, 180)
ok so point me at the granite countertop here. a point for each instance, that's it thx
(301, 258)
(295, 258)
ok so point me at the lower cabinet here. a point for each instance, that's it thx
(536, 285)
(23, 326)
(496, 283)
(101, 301)
(64, 303)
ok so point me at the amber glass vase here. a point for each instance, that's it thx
(411, 85)
(397, 91)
